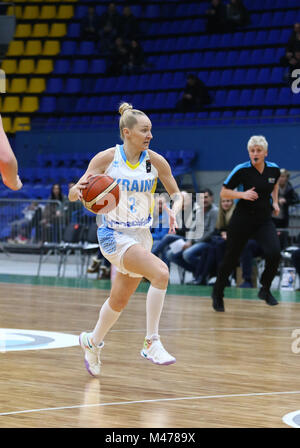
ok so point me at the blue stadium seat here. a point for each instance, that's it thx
(55, 85)
(281, 115)
(264, 75)
(73, 30)
(220, 98)
(226, 77)
(258, 98)
(80, 66)
(267, 116)
(98, 66)
(68, 48)
(47, 104)
(260, 38)
(62, 66)
(239, 76)
(276, 75)
(244, 57)
(233, 98)
(80, 11)
(253, 116)
(73, 85)
(246, 97)
(285, 96)
(251, 76)
(271, 96)
(87, 48)
(274, 36)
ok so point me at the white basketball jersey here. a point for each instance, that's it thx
(137, 185)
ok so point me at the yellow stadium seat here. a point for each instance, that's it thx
(29, 104)
(15, 11)
(40, 30)
(48, 12)
(10, 104)
(33, 48)
(44, 66)
(17, 85)
(21, 124)
(58, 30)
(16, 48)
(23, 30)
(9, 66)
(26, 66)
(65, 12)
(36, 85)
(30, 12)
(51, 48)
(6, 121)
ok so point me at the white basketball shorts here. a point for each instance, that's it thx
(114, 243)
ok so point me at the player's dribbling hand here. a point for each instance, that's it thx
(172, 219)
(75, 192)
(250, 195)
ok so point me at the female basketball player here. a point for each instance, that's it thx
(125, 238)
(8, 163)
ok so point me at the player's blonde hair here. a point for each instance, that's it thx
(128, 117)
(258, 140)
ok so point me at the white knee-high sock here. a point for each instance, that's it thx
(154, 306)
(107, 318)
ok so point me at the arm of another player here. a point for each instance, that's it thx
(166, 177)
(97, 165)
(8, 162)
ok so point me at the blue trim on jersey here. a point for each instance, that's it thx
(272, 165)
(141, 159)
(237, 168)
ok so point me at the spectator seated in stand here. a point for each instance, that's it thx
(216, 248)
(237, 16)
(128, 25)
(216, 17)
(192, 255)
(160, 224)
(109, 27)
(136, 61)
(51, 222)
(195, 95)
(118, 59)
(25, 229)
(286, 196)
(89, 29)
(163, 247)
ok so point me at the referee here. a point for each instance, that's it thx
(257, 195)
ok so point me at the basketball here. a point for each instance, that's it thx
(101, 195)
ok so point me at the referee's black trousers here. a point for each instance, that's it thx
(240, 230)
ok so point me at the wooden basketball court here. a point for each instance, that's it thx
(234, 369)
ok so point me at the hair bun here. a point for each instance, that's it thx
(123, 107)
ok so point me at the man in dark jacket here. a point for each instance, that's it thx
(195, 95)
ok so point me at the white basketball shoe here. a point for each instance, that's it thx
(155, 352)
(91, 354)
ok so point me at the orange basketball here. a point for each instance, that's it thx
(101, 195)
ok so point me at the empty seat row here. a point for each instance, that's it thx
(13, 104)
(79, 66)
(240, 116)
(240, 39)
(43, 12)
(256, 97)
(27, 66)
(33, 48)
(232, 58)
(25, 85)
(38, 30)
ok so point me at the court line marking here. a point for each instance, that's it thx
(158, 400)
